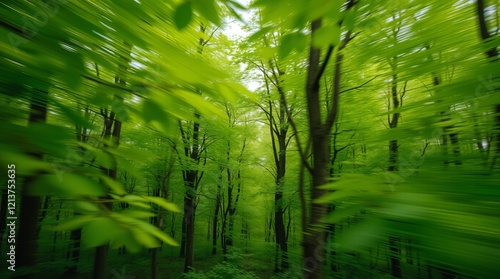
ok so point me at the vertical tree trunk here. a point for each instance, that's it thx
(112, 131)
(313, 236)
(394, 241)
(3, 212)
(216, 213)
(492, 55)
(191, 182)
(280, 155)
(278, 129)
(30, 205)
(73, 253)
(182, 252)
(189, 213)
(54, 239)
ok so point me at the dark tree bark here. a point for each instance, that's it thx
(193, 148)
(163, 182)
(191, 177)
(30, 205)
(73, 254)
(314, 251)
(216, 212)
(182, 251)
(112, 132)
(278, 129)
(313, 231)
(232, 199)
(492, 55)
(3, 211)
(395, 101)
(330, 228)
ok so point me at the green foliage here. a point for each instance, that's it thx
(183, 15)
(231, 269)
(151, 65)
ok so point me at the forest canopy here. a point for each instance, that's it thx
(250, 139)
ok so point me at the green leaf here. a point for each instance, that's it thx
(66, 183)
(328, 35)
(340, 214)
(293, 41)
(208, 9)
(86, 206)
(137, 201)
(164, 203)
(257, 35)
(138, 214)
(360, 236)
(125, 237)
(73, 223)
(147, 227)
(115, 186)
(286, 45)
(100, 231)
(145, 238)
(183, 14)
(350, 19)
(152, 111)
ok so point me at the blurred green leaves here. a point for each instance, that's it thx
(452, 218)
(183, 15)
(91, 62)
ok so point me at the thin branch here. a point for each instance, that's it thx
(210, 37)
(295, 130)
(359, 86)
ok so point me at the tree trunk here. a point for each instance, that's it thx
(216, 213)
(492, 55)
(189, 213)
(394, 241)
(112, 131)
(30, 205)
(191, 181)
(182, 252)
(314, 234)
(3, 212)
(74, 251)
(73, 254)
(54, 239)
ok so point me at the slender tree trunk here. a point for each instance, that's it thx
(30, 205)
(191, 180)
(278, 129)
(394, 241)
(3, 212)
(54, 239)
(113, 128)
(189, 212)
(216, 213)
(73, 253)
(182, 252)
(492, 55)
(279, 223)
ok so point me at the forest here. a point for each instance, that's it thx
(198, 139)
